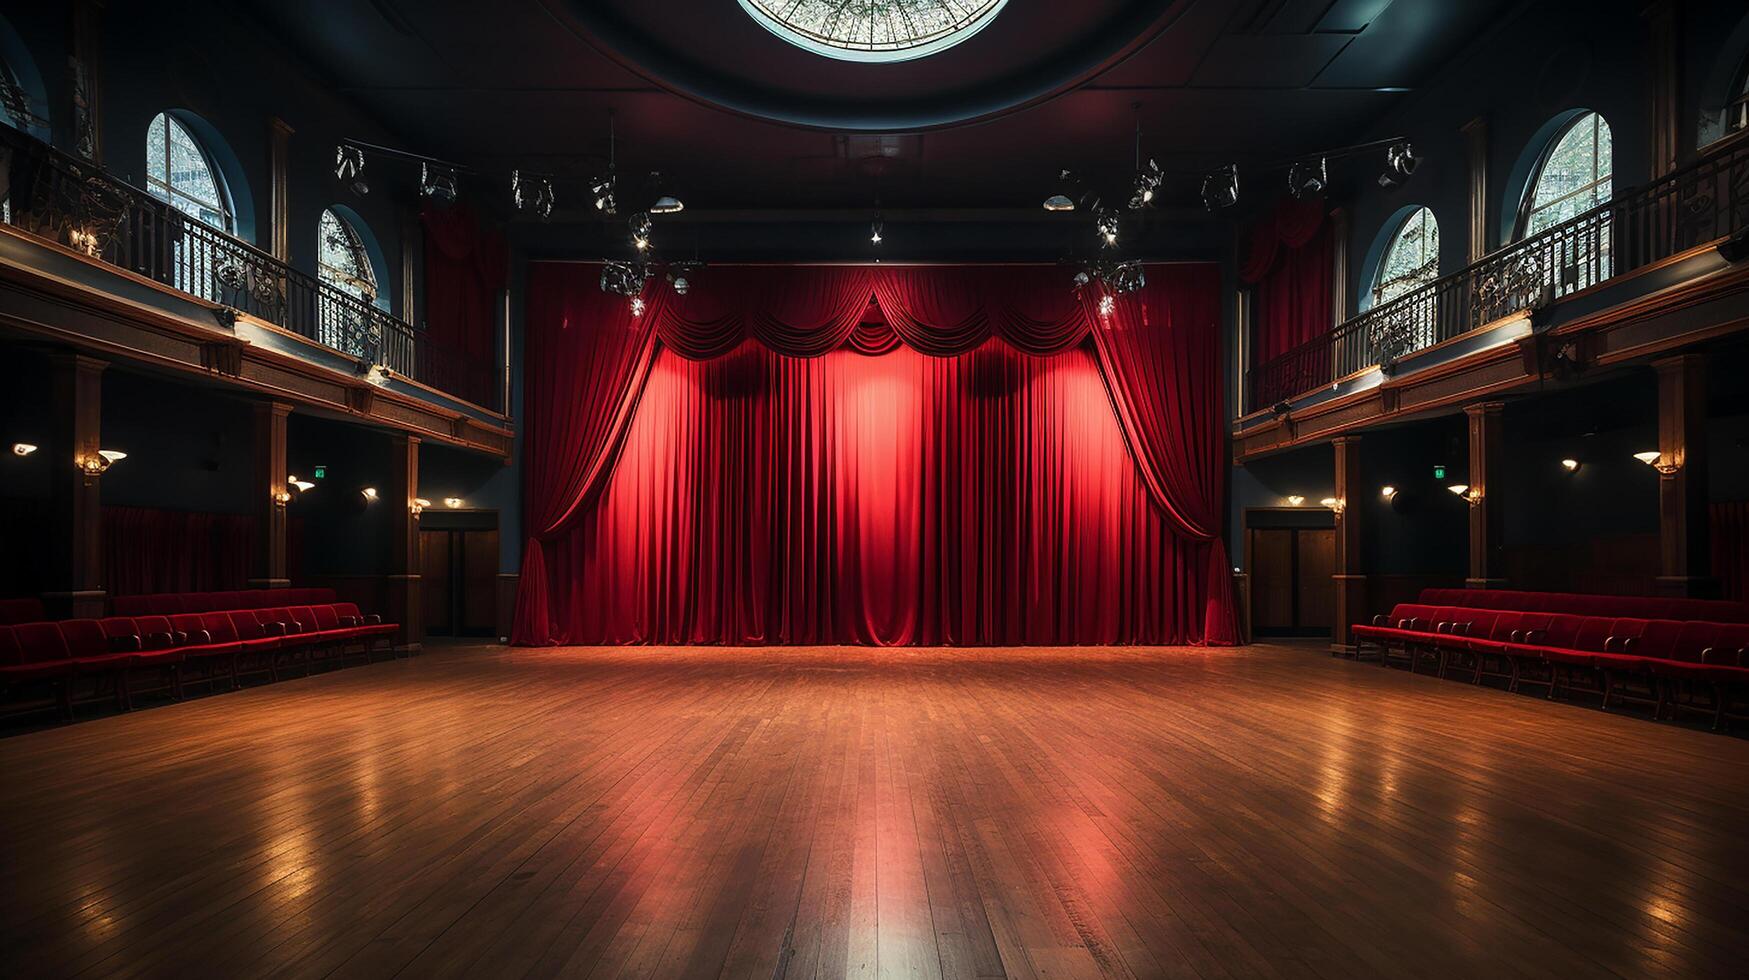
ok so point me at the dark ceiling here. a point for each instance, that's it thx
(744, 121)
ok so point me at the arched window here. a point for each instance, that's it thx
(1411, 260)
(182, 174)
(1737, 113)
(341, 259)
(1573, 177)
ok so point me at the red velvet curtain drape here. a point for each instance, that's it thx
(1290, 259)
(686, 485)
(1729, 530)
(465, 267)
(148, 550)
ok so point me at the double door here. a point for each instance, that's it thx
(1292, 592)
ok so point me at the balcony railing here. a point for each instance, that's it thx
(1697, 205)
(59, 197)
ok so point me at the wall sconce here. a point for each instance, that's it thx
(1294, 500)
(22, 449)
(96, 464)
(1336, 504)
(1387, 491)
(1472, 495)
(280, 497)
(417, 506)
(302, 485)
(83, 240)
(369, 494)
(1656, 461)
(1570, 465)
(452, 502)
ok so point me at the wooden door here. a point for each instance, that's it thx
(1272, 579)
(478, 578)
(1316, 590)
(436, 582)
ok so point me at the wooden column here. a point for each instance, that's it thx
(1341, 304)
(268, 485)
(278, 156)
(1683, 532)
(1487, 507)
(1476, 154)
(74, 571)
(412, 241)
(1350, 573)
(1664, 40)
(85, 79)
(405, 604)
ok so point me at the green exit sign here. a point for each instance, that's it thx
(321, 473)
(1439, 472)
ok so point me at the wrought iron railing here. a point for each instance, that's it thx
(1697, 205)
(57, 196)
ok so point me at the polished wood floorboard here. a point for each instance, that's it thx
(1267, 812)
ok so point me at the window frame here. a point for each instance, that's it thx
(1527, 209)
(332, 275)
(164, 191)
(1394, 237)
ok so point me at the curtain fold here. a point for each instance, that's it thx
(465, 267)
(1290, 259)
(147, 550)
(733, 466)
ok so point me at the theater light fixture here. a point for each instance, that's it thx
(1657, 462)
(602, 190)
(280, 496)
(1459, 489)
(1220, 189)
(1294, 500)
(452, 502)
(1400, 164)
(437, 183)
(1147, 185)
(532, 195)
(1570, 465)
(623, 278)
(1387, 491)
(22, 449)
(349, 168)
(1069, 194)
(417, 506)
(640, 229)
(637, 306)
(664, 203)
(302, 485)
(1471, 495)
(1336, 504)
(1107, 306)
(369, 494)
(876, 228)
(1105, 222)
(1308, 178)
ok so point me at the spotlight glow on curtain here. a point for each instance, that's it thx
(736, 466)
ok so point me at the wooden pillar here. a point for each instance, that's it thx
(1341, 304)
(75, 560)
(1664, 38)
(1476, 154)
(278, 155)
(1487, 507)
(85, 79)
(271, 494)
(404, 602)
(1683, 533)
(1350, 573)
(412, 241)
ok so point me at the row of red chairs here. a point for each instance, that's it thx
(171, 603)
(1662, 662)
(77, 657)
(1579, 604)
(27, 610)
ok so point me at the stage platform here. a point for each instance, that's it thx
(642, 812)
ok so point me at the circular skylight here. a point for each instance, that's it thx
(874, 30)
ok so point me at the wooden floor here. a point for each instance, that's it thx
(829, 812)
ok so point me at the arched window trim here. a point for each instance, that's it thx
(1527, 209)
(26, 104)
(162, 188)
(362, 279)
(1422, 274)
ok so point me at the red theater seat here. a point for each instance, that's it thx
(27, 610)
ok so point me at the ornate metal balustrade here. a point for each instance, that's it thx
(1697, 205)
(59, 197)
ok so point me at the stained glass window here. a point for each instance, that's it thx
(874, 30)
(180, 173)
(1573, 178)
(1411, 260)
(341, 260)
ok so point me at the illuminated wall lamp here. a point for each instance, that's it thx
(302, 485)
(452, 502)
(1473, 495)
(1387, 491)
(369, 494)
(281, 497)
(22, 449)
(1334, 503)
(1294, 500)
(417, 506)
(1570, 465)
(97, 463)
(1656, 461)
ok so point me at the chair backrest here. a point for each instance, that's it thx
(188, 622)
(325, 616)
(25, 610)
(40, 643)
(150, 626)
(1658, 639)
(221, 627)
(304, 617)
(84, 638)
(115, 627)
(244, 623)
(9, 652)
(1562, 630)
(346, 609)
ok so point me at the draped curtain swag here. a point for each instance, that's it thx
(1289, 258)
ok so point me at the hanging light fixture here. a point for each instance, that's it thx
(349, 168)
(875, 228)
(437, 183)
(1147, 180)
(637, 306)
(1106, 224)
(640, 229)
(1400, 164)
(1308, 178)
(532, 195)
(664, 203)
(1220, 189)
(23, 448)
(602, 189)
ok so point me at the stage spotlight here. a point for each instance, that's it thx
(1082, 278)
(602, 189)
(664, 203)
(1220, 189)
(640, 228)
(349, 168)
(1308, 179)
(1107, 305)
(623, 278)
(1105, 222)
(875, 230)
(533, 195)
(637, 306)
(1147, 185)
(1067, 193)
(437, 183)
(1400, 164)
(1127, 277)
(681, 285)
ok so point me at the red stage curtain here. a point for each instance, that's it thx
(1290, 259)
(465, 267)
(896, 499)
(147, 550)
